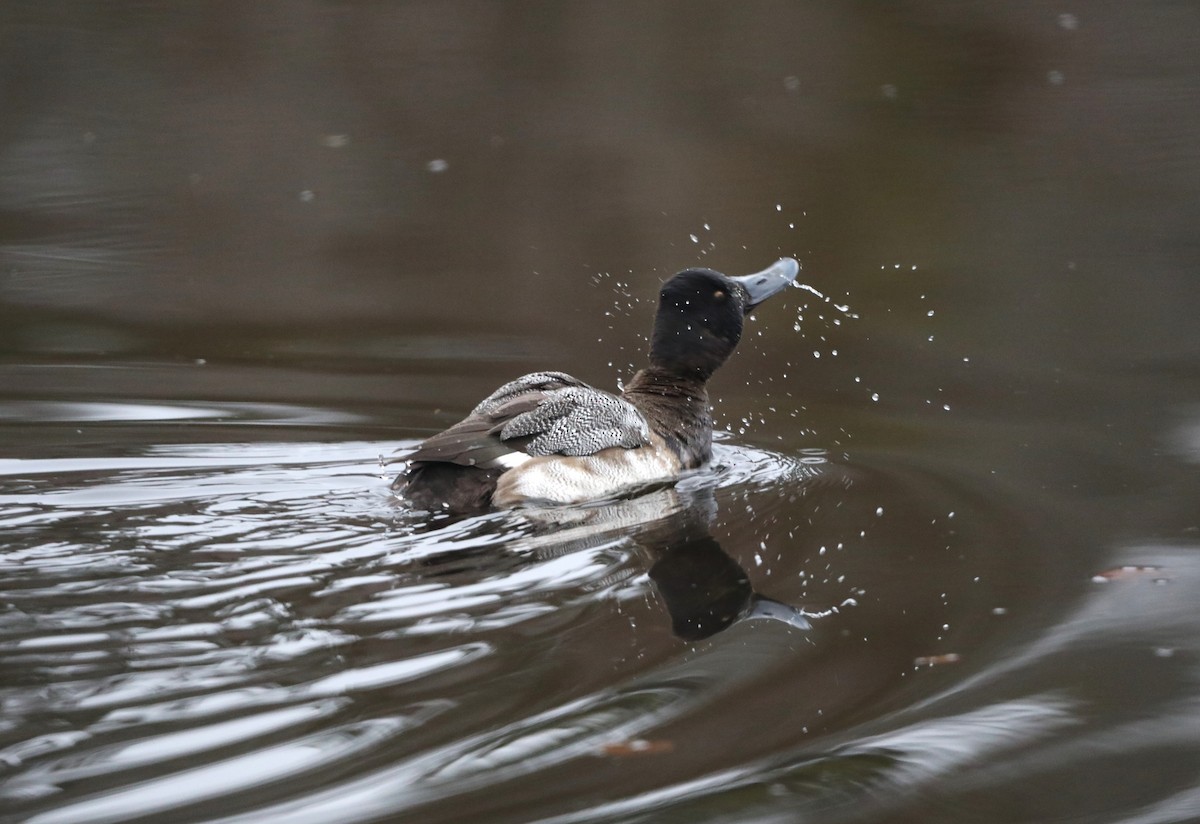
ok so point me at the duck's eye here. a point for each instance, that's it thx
(719, 294)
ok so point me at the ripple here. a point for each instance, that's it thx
(112, 411)
(264, 618)
(116, 758)
(735, 465)
(230, 776)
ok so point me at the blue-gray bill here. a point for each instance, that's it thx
(770, 281)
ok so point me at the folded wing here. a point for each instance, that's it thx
(545, 413)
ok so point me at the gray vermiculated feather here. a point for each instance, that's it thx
(578, 420)
(551, 412)
(534, 382)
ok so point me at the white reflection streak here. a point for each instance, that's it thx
(226, 777)
(1177, 727)
(1183, 806)
(190, 742)
(104, 259)
(570, 731)
(553, 574)
(274, 763)
(221, 455)
(930, 749)
(381, 675)
(391, 673)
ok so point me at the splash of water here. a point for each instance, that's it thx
(843, 308)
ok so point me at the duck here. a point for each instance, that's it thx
(547, 438)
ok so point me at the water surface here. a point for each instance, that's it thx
(943, 568)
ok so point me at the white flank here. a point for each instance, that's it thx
(585, 478)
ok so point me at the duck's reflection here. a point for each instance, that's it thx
(703, 588)
(706, 591)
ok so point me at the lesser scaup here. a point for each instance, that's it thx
(547, 437)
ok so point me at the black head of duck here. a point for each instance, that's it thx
(701, 314)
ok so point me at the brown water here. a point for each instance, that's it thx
(945, 566)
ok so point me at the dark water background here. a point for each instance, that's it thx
(246, 249)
